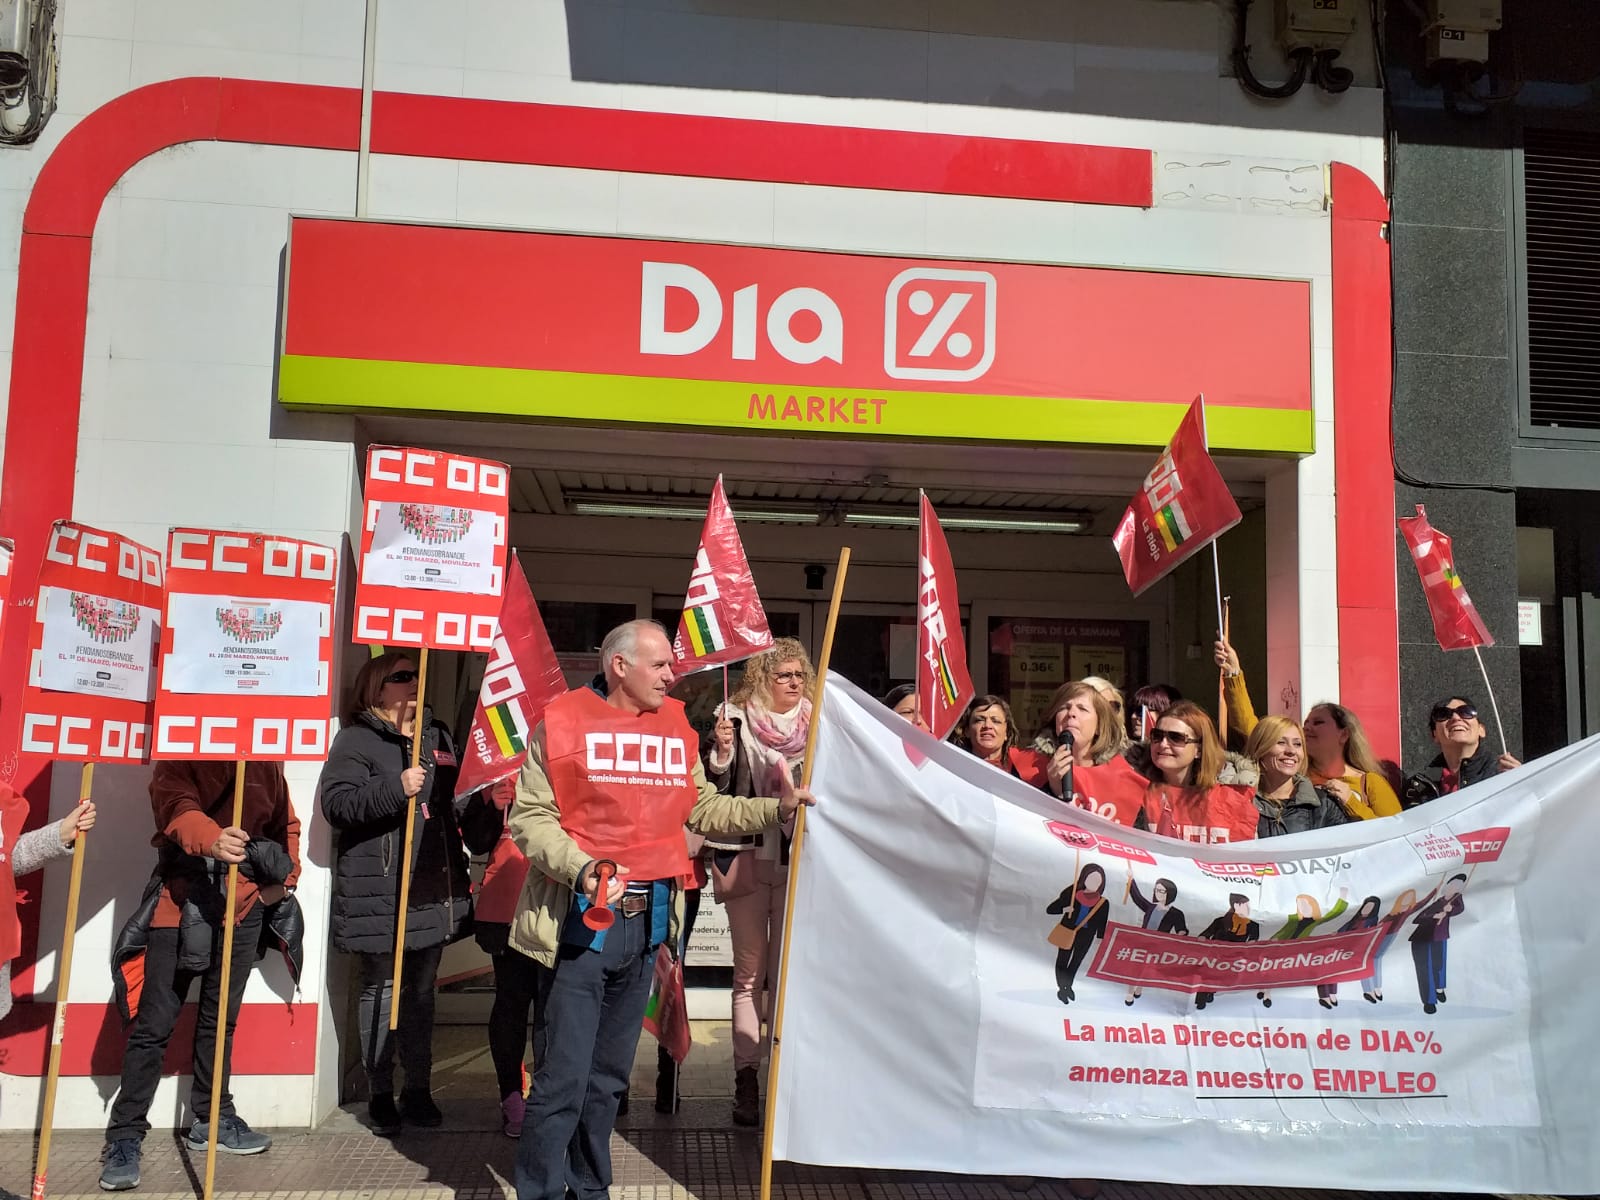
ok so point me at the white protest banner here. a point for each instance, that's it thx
(248, 647)
(986, 977)
(91, 647)
(433, 549)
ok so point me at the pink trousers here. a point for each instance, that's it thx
(755, 926)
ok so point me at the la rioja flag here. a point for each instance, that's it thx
(1456, 622)
(944, 688)
(723, 620)
(1183, 507)
(522, 677)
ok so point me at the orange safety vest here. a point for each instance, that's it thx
(1223, 813)
(13, 813)
(623, 781)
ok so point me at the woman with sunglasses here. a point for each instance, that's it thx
(1197, 792)
(366, 788)
(759, 737)
(1462, 760)
(1339, 758)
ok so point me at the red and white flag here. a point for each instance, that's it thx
(723, 621)
(522, 677)
(1456, 622)
(1182, 508)
(944, 688)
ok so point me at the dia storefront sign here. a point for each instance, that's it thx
(420, 318)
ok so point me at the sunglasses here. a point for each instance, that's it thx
(1157, 736)
(1465, 711)
(400, 677)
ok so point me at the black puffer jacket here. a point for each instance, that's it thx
(1307, 807)
(362, 800)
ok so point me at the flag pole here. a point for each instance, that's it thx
(1222, 675)
(222, 988)
(1216, 567)
(405, 853)
(818, 689)
(1493, 703)
(58, 1027)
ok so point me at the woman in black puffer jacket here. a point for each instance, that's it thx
(365, 790)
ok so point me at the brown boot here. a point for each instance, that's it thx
(746, 1097)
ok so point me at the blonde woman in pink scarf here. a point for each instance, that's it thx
(759, 736)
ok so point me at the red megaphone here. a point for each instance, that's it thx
(599, 915)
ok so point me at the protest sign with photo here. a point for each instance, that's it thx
(92, 644)
(433, 549)
(248, 647)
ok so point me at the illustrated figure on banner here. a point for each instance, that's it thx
(1430, 942)
(1405, 904)
(1084, 911)
(1234, 925)
(1160, 914)
(1308, 915)
(1366, 917)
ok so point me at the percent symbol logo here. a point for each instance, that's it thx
(939, 324)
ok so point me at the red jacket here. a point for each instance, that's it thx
(193, 802)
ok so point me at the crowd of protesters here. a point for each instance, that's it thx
(1159, 763)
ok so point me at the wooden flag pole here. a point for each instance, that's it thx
(405, 852)
(224, 986)
(58, 1027)
(1494, 704)
(1222, 675)
(818, 689)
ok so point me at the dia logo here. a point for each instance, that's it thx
(939, 324)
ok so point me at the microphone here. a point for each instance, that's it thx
(1064, 742)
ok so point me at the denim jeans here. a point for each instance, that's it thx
(165, 989)
(589, 1008)
(415, 1033)
(1430, 959)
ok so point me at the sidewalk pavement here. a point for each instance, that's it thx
(696, 1154)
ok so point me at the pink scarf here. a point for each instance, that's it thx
(790, 745)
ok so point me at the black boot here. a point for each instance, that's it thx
(746, 1097)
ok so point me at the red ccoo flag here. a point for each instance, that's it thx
(1456, 622)
(723, 620)
(522, 677)
(1183, 507)
(944, 688)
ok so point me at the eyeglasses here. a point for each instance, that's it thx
(1443, 713)
(1157, 736)
(789, 677)
(400, 677)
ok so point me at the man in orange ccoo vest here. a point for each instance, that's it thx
(613, 774)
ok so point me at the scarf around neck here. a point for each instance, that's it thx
(769, 728)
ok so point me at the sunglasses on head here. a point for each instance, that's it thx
(1177, 738)
(1443, 712)
(400, 677)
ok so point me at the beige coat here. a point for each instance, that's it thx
(556, 861)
